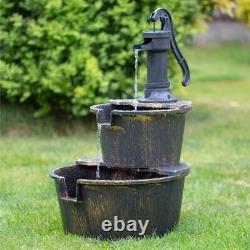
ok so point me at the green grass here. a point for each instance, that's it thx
(216, 63)
(216, 204)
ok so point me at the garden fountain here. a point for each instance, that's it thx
(137, 188)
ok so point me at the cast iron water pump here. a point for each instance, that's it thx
(157, 43)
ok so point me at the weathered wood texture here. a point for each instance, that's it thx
(85, 202)
(143, 140)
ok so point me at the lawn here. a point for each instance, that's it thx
(216, 204)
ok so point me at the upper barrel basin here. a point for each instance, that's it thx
(142, 137)
(119, 203)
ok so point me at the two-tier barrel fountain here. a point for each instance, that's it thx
(137, 188)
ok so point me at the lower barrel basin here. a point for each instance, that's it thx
(121, 203)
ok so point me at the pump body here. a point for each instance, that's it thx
(157, 43)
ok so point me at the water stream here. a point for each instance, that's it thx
(136, 78)
(98, 152)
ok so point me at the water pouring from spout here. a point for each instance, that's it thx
(98, 152)
(136, 51)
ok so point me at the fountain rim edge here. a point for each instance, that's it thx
(149, 181)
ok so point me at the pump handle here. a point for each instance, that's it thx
(166, 23)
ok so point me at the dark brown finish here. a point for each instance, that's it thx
(85, 202)
(142, 138)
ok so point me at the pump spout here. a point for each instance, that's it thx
(144, 46)
(137, 47)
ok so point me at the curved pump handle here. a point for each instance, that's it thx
(166, 24)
